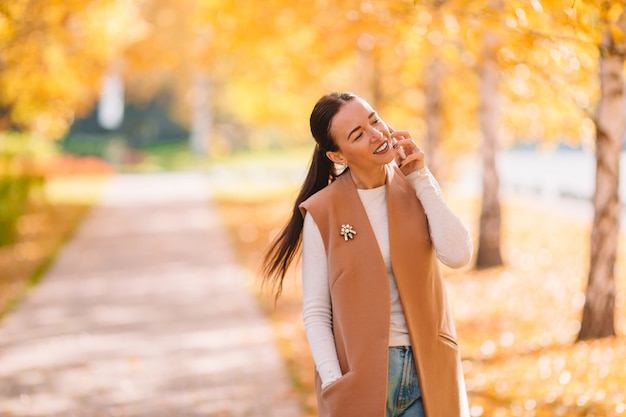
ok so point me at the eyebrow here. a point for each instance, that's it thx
(358, 127)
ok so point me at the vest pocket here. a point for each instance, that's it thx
(448, 340)
(334, 382)
(337, 386)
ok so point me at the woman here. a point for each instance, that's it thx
(375, 310)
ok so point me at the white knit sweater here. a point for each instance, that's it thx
(452, 244)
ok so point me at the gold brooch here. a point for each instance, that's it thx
(347, 232)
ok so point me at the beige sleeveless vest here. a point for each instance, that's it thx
(361, 307)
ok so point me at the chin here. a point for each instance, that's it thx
(389, 159)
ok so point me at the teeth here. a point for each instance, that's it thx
(382, 147)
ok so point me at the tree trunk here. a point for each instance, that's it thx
(367, 77)
(201, 115)
(490, 217)
(111, 101)
(434, 117)
(599, 311)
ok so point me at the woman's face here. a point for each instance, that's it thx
(363, 139)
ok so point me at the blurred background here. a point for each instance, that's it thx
(519, 106)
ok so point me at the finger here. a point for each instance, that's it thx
(417, 158)
(400, 138)
(399, 151)
(405, 140)
(401, 134)
(408, 145)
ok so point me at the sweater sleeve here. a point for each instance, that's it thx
(451, 239)
(316, 309)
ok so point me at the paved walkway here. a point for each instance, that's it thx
(144, 313)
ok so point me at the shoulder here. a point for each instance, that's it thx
(324, 197)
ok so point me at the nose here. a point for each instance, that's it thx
(374, 134)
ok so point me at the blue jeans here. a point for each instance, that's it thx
(404, 398)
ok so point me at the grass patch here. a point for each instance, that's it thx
(53, 214)
(176, 155)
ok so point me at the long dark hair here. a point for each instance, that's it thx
(285, 247)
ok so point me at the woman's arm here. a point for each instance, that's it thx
(317, 311)
(451, 239)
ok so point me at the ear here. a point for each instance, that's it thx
(336, 157)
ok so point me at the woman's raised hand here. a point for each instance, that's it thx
(409, 156)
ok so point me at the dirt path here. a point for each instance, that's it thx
(144, 313)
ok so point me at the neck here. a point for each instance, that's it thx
(369, 179)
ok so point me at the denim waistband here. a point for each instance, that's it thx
(402, 348)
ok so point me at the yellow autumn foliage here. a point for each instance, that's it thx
(52, 55)
(269, 61)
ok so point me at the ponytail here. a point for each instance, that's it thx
(284, 248)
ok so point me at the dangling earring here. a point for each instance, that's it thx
(340, 168)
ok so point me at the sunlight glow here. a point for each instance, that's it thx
(367, 7)
(424, 18)
(530, 405)
(501, 386)
(488, 348)
(476, 411)
(565, 377)
(435, 37)
(366, 42)
(510, 22)
(507, 339)
(452, 25)
(521, 17)
(536, 4)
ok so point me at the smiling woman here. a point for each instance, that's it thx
(373, 234)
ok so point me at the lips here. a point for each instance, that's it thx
(384, 147)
